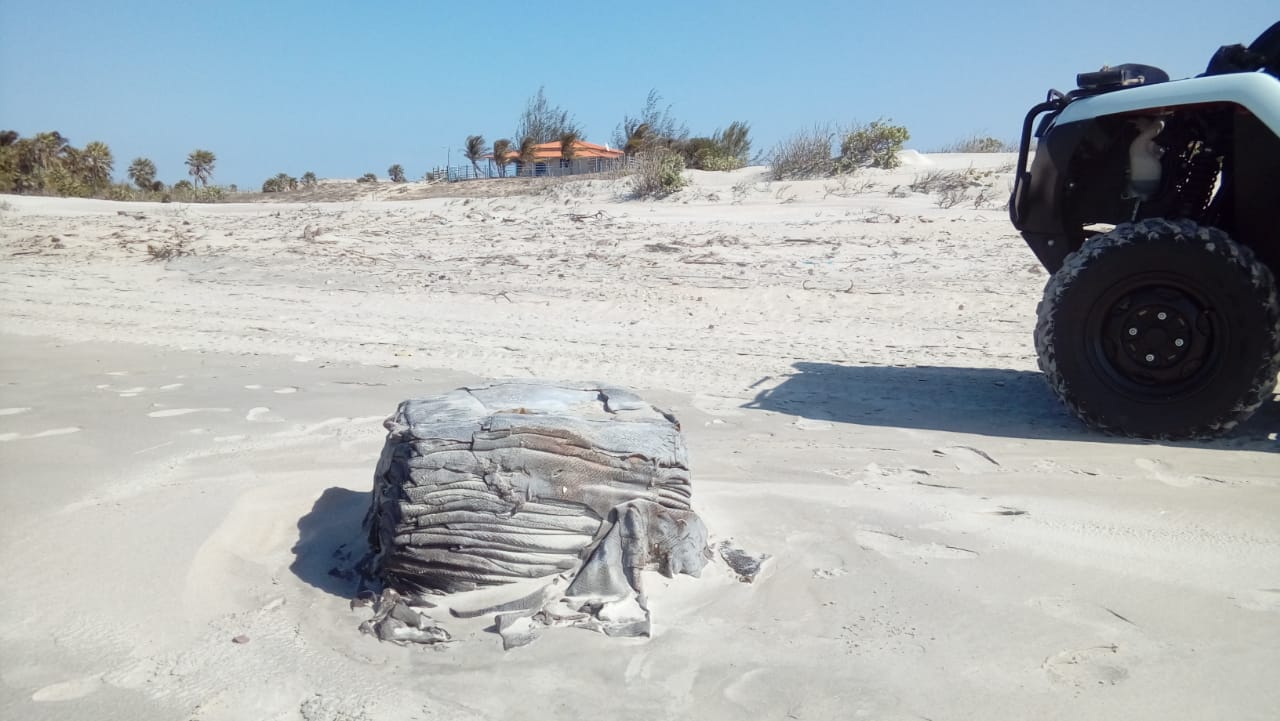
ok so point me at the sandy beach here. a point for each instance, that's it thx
(192, 410)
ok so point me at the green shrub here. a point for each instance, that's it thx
(692, 147)
(367, 178)
(60, 181)
(725, 150)
(715, 159)
(120, 191)
(209, 194)
(875, 144)
(659, 172)
(280, 183)
(184, 192)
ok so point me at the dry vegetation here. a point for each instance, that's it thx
(954, 187)
(658, 173)
(979, 143)
(808, 153)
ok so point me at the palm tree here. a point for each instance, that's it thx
(47, 148)
(568, 150)
(24, 157)
(200, 166)
(637, 135)
(70, 160)
(96, 164)
(474, 151)
(142, 172)
(528, 153)
(501, 149)
(396, 173)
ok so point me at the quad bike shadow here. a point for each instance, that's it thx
(983, 401)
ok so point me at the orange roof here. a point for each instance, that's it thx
(581, 149)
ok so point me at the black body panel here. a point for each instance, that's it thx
(1256, 179)
(1079, 177)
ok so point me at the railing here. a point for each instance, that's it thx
(550, 168)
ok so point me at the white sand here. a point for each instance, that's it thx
(185, 442)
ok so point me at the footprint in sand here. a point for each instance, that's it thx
(68, 690)
(1092, 666)
(891, 544)
(968, 459)
(42, 434)
(1105, 664)
(1163, 472)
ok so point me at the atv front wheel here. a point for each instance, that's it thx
(1161, 329)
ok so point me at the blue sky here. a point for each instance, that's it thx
(346, 88)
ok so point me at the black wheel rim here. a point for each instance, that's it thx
(1155, 337)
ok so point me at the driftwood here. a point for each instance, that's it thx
(586, 486)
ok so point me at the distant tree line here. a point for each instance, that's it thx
(283, 182)
(48, 164)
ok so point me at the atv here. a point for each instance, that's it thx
(1155, 206)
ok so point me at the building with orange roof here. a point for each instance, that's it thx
(587, 158)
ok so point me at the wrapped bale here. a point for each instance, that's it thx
(501, 483)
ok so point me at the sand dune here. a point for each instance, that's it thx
(191, 418)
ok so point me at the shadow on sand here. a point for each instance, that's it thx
(985, 401)
(331, 542)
